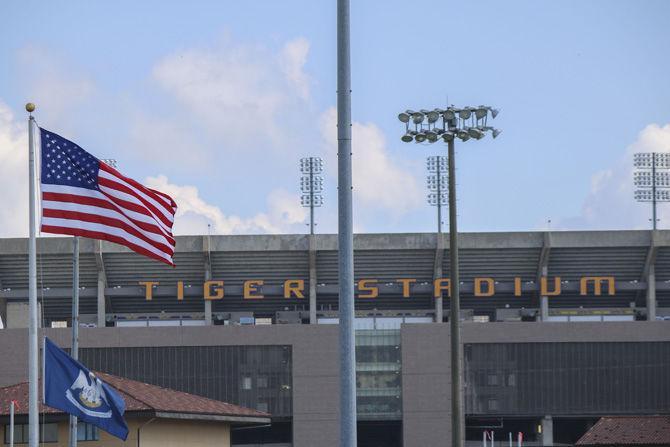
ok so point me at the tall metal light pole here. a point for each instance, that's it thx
(430, 126)
(653, 186)
(345, 232)
(311, 186)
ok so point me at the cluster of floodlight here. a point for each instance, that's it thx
(436, 163)
(646, 179)
(311, 184)
(311, 165)
(651, 176)
(647, 195)
(437, 198)
(448, 124)
(437, 180)
(649, 160)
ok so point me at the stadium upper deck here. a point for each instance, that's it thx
(284, 276)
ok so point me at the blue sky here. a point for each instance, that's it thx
(216, 102)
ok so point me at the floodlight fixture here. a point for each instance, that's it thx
(417, 117)
(433, 115)
(420, 137)
(463, 134)
(404, 117)
(475, 133)
(408, 137)
(450, 113)
(495, 133)
(481, 112)
(448, 136)
(311, 186)
(465, 113)
(431, 136)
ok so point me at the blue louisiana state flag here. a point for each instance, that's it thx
(71, 387)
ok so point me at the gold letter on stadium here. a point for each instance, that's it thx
(251, 287)
(364, 287)
(217, 287)
(295, 287)
(584, 282)
(490, 287)
(148, 288)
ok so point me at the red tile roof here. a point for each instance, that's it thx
(139, 397)
(628, 430)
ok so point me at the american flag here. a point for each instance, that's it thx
(83, 196)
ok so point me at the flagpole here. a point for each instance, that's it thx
(11, 424)
(33, 350)
(75, 325)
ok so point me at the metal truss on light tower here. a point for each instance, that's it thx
(652, 186)
(429, 126)
(311, 186)
(436, 181)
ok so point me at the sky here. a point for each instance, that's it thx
(215, 102)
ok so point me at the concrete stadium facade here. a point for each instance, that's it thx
(568, 338)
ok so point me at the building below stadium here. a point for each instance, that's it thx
(559, 329)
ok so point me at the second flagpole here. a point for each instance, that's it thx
(75, 325)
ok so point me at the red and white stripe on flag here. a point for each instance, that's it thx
(99, 202)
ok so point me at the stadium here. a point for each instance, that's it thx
(559, 328)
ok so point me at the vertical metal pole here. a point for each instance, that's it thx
(653, 189)
(33, 350)
(11, 424)
(311, 195)
(510, 439)
(345, 232)
(455, 309)
(75, 325)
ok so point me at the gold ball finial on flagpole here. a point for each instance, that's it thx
(30, 107)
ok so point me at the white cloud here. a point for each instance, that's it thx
(378, 180)
(13, 174)
(194, 213)
(292, 62)
(610, 203)
(241, 92)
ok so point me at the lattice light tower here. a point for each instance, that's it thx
(652, 179)
(436, 181)
(311, 186)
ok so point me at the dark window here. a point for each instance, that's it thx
(87, 432)
(492, 380)
(48, 433)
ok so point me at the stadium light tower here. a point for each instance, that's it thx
(449, 124)
(653, 186)
(311, 186)
(436, 181)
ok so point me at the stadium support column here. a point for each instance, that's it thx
(206, 240)
(649, 277)
(312, 279)
(547, 425)
(102, 283)
(651, 293)
(437, 274)
(543, 271)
